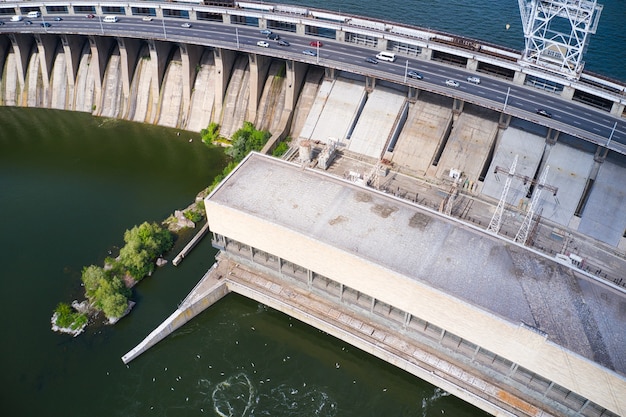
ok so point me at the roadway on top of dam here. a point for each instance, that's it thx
(569, 117)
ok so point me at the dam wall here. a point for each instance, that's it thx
(168, 84)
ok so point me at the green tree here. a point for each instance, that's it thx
(245, 140)
(143, 244)
(114, 305)
(91, 277)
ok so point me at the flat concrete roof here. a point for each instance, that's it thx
(489, 272)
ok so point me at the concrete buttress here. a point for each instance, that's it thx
(100, 53)
(46, 46)
(224, 61)
(4, 50)
(190, 56)
(259, 65)
(159, 58)
(129, 54)
(22, 45)
(296, 72)
(72, 46)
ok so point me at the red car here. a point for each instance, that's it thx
(317, 44)
(90, 16)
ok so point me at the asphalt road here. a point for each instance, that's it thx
(496, 93)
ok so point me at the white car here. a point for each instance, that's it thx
(473, 80)
(186, 25)
(452, 83)
(263, 44)
(147, 19)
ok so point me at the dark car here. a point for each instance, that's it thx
(544, 113)
(28, 22)
(317, 44)
(414, 74)
(283, 43)
(273, 37)
(90, 16)
(45, 25)
(371, 60)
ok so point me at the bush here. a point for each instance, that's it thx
(68, 318)
(246, 140)
(143, 244)
(280, 149)
(211, 133)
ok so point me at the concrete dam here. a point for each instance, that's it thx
(436, 159)
(181, 86)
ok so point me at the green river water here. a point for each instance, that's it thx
(70, 185)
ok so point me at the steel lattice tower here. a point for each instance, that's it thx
(522, 233)
(557, 33)
(496, 219)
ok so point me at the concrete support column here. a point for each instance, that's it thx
(226, 19)
(381, 44)
(159, 59)
(472, 64)
(519, 78)
(426, 54)
(73, 47)
(330, 73)
(505, 120)
(340, 36)
(224, 61)
(300, 29)
(616, 110)
(4, 49)
(552, 136)
(190, 56)
(413, 94)
(46, 46)
(259, 65)
(129, 55)
(370, 84)
(457, 106)
(22, 45)
(600, 155)
(100, 53)
(262, 23)
(568, 92)
(295, 74)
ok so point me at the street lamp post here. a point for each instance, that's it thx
(506, 99)
(237, 36)
(611, 135)
(163, 22)
(317, 55)
(101, 27)
(406, 70)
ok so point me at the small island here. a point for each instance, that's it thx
(108, 288)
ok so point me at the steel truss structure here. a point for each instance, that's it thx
(557, 33)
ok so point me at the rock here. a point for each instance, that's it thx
(161, 261)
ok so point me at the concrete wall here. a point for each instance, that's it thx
(504, 338)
